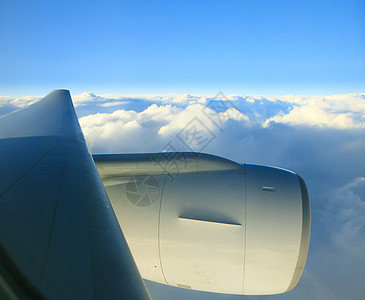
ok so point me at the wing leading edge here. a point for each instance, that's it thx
(59, 237)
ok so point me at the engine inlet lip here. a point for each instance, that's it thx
(305, 238)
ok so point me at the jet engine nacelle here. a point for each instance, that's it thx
(202, 222)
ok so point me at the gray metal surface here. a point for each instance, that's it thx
(59, 237)
(202, 222)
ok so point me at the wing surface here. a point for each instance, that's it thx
(59, 237)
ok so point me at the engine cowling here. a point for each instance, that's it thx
(206, 223)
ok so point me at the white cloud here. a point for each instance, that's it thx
(116, 103)
(337, 111)
(346, 210)
(85, 98)
(170, 114)
(164, 122)
(17, 102)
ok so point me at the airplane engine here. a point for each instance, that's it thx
(206, 223)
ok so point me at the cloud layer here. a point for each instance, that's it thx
(156, 120)
(320, 138)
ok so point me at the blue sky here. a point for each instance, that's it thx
(158, 47)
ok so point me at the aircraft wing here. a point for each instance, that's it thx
(59, 237)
